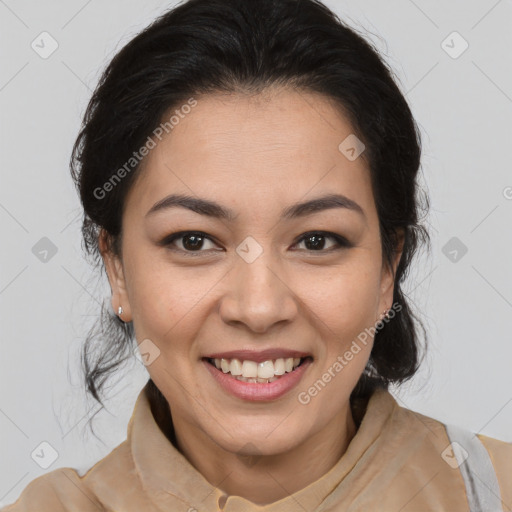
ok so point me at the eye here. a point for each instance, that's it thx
(315, 241)
(191, 241)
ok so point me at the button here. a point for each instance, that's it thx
(222, 501)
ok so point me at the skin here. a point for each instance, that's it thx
(255, 155)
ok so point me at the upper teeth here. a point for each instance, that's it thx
(263, 370)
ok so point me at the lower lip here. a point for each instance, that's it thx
(256, 391)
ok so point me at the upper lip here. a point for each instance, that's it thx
(258, 356)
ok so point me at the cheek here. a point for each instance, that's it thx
(347, 299)
(164, 298)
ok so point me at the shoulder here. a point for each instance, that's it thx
(57, 491)
(500, 453)
(64, 489)
(437, 438)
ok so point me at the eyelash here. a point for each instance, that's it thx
(342, 243)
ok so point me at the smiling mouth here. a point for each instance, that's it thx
(263, 372)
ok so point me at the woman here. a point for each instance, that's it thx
(248, 177)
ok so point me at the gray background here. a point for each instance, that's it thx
(463, 106)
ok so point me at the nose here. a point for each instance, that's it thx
(258, 295)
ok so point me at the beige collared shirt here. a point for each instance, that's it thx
(392, 464)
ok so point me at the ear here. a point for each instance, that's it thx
(387, 275)
(116, 278)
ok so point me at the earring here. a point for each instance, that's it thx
(119, 311)
(385, 314)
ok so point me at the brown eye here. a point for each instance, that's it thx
(192, 242)
(316, 241)
(186, 241)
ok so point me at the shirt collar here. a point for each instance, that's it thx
(164, 472)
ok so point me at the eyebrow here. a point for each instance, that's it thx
(213, 209)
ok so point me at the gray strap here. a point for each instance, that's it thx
(482, 487)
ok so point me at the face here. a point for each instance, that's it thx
(264, 282)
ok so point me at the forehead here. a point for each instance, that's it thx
(270, 148)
